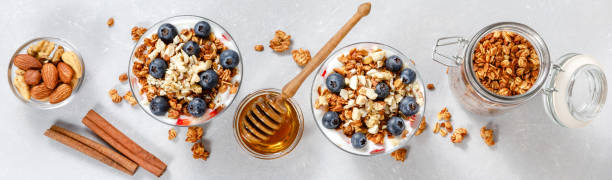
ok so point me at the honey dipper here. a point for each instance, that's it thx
(267, 113)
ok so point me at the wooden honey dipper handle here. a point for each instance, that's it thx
(290, 88)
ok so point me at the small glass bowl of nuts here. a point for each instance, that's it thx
(185, 70)
(368, 99)
(46, 72)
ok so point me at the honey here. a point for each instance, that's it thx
(262, 133)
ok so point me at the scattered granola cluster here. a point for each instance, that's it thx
(130, 98)
(114, 96)
(399, 155)
(458, 135)
(487, 135)
(422, 127)
(171, 134)
(444, 114)
(123, 77)
(506, 63)
(194, 135)
(301, 56)
(371, 95)
(445, 127)
(110, 22)
(184, 59)
(137, 32)
(199, 152)
(280, 42)
(259, 47)
(430, 86)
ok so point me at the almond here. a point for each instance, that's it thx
(32, 77)
(61, 93)
(26, 62)
(40, 92)
(65, 72)
(49, 75)
(72, 59)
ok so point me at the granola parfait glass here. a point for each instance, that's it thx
(222, 100)
(44, 104)
(566, 104)
(336, 136)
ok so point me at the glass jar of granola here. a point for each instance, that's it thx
(506, 64)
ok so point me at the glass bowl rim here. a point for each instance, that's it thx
(418, 77)
(141, 40)
(39, 105)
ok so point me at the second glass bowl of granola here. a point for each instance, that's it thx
(185, 70)
(376, 100)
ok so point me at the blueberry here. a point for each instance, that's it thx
(166, 33)
(394, 63)
(335, 82)
(197, 107)
(382, 90)
(358, 140)
(408, 76)
(395, 125)
(229, 59)
(159, 105)
(331, 120)
(157, 68)
(191, 48)
(202, 29)
(208, 79)
(408, 106)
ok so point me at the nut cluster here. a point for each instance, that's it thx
(506, 63)
(59, 72)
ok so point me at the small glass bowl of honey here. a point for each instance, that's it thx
(258, 130)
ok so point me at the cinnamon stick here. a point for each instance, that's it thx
(120, 159)
(85, 150)
(123, 143)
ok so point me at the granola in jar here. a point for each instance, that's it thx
(368, 99)
(506, 63)
(187, 71)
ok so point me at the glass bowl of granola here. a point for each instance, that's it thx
(368, 99)
(185, 70)
(46, 72)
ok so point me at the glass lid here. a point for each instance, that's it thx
(576, 90)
